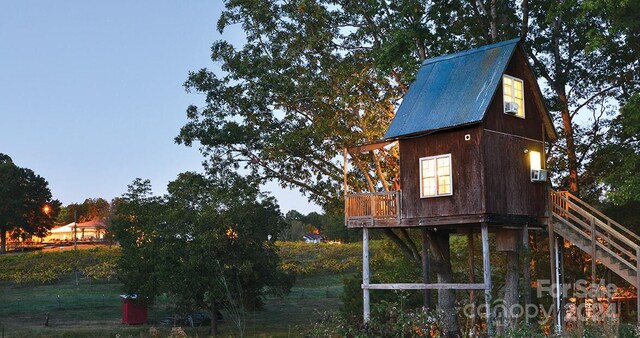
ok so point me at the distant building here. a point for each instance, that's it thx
(92, 230)
(312, 238)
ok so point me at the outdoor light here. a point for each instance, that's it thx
(535, 160)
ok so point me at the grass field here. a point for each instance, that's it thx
(89, 308)
(92, 309)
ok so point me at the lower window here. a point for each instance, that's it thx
(435, 176)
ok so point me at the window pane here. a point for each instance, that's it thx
(518, 85)
(429, 186)
(443, 166)
(520, 103)
(428, 168)
(517, 93)
(444, 185)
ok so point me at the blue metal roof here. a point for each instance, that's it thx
(452, 90)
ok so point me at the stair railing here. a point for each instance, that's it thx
(591, 224)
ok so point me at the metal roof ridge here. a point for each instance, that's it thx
(469, 51)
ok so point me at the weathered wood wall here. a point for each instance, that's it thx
(505, 163)
(466, 174)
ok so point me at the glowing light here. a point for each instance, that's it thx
(535, 160)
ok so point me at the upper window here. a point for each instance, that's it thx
(513, 96)
(435, 176)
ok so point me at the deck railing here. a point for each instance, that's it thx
(377, 205)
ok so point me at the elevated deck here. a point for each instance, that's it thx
(384, 210)
(369, 209)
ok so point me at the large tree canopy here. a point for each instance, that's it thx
(206, 242)
(26, 206)
(312, 78)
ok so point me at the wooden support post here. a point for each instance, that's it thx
(638, 284)
(425, 268)
(472, 280)
(346, 188)
(486, 267)
(559, 277)
(526, 266)
(365, 275)
(594, 285)
(555, 295)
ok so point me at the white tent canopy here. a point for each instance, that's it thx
(88, 231)
(63, 229)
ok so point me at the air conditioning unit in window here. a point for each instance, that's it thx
(538, 175)
(511, 108)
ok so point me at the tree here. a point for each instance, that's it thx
(206, 242)
(23, 198)
(91, 209)
(617, 162)
(583, 71)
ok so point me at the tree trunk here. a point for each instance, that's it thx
(441, 262)
(571, 148)
(3, 239)
(214, 322)
(510, 292)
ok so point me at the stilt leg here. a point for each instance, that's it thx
(365, 275)
(487, 276)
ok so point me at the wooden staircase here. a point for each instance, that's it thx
(610, 243)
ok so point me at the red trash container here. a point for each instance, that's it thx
(134, 311)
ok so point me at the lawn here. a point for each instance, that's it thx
(85, 307)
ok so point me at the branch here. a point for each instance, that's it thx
(412, 245)
(364, 172)
(402, 245)
(593, 97)
(541, 66)
(381, 175)
(594, 137)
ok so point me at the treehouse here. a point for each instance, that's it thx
(471, 132)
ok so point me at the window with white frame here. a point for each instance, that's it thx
(513, 94)
(435, 176)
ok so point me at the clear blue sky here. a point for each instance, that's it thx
(91, 92)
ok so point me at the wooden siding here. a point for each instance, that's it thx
(506, 166)
(466, 174)
(507, 176)
(532, 125)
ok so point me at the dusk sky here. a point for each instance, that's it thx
(91, 93)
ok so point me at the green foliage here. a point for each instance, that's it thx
(304, 259)
(617, 162)
(205, 243)
(388, 319)
(23, 197)
(47, 267)
(90, 209)
(316, 76)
